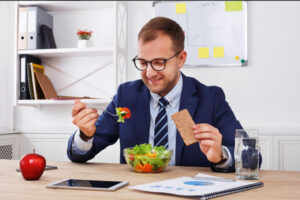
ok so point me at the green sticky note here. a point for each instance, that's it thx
(218, 52)
(203, 52)
(233, 6)
(180, 8)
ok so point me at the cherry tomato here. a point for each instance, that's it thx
(127, 112)
(131, 156)
(143, 168)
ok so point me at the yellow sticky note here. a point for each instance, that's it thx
(233, 6)
(180, 8)
(203, 52)
(218, 52)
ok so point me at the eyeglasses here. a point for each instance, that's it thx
(158, 64)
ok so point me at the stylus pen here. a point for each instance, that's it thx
(213, 179)
(48, 167)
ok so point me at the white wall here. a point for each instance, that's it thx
(265, 94)
(6, 66)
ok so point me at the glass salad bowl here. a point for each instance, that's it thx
(147, 159)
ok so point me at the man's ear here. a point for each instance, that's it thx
(182, 58)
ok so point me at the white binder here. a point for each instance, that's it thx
(22, 28)
(36, 18)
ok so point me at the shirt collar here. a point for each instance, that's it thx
(173, 96)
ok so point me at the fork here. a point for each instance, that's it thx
(104, 110)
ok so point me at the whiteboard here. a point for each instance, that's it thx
(215, 31)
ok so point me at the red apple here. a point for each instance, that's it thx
(32, 166)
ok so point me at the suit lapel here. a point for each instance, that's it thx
(187, 101)
(142, 120)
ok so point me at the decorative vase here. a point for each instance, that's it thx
(84, 43)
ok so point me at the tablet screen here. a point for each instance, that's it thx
(88, 183)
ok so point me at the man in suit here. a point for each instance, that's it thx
(162, 91)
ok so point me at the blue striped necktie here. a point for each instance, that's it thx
(161, 125)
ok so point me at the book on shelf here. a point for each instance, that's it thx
(201, 186)
(38, 68)
(34, 88)
(49, 91)
(29, 81)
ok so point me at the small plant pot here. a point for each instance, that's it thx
(84, 43)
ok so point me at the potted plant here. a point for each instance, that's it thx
(84, 38)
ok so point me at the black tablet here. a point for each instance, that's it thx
(88, 184)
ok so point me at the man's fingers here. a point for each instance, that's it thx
(92, 122)
(87, 118)
(83, 113)
(199, 128)
(208, 142)
(76, 101)
(87, 125)
(77, 107)
(205, 132)
(203, 136)
(89, 128)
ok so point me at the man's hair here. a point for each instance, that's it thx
(159, 25)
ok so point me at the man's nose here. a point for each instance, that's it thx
(150, 71)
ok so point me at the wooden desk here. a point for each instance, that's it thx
(278, 184)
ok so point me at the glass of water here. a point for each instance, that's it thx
(246, 153)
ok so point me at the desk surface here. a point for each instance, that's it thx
(277, 184)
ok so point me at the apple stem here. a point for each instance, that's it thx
(33, 151)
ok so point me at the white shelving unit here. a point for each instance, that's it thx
(94, 72)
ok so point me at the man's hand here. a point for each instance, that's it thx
(210, 141)
(84, 118)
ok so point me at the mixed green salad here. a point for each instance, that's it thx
(145, 158)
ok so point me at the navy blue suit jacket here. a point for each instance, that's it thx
(205, 104)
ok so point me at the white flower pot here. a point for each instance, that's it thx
(84, 43)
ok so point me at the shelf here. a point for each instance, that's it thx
(68, 52)
(61, 102)
(8, 132)
(50, 6)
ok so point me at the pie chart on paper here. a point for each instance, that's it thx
(198, 183)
